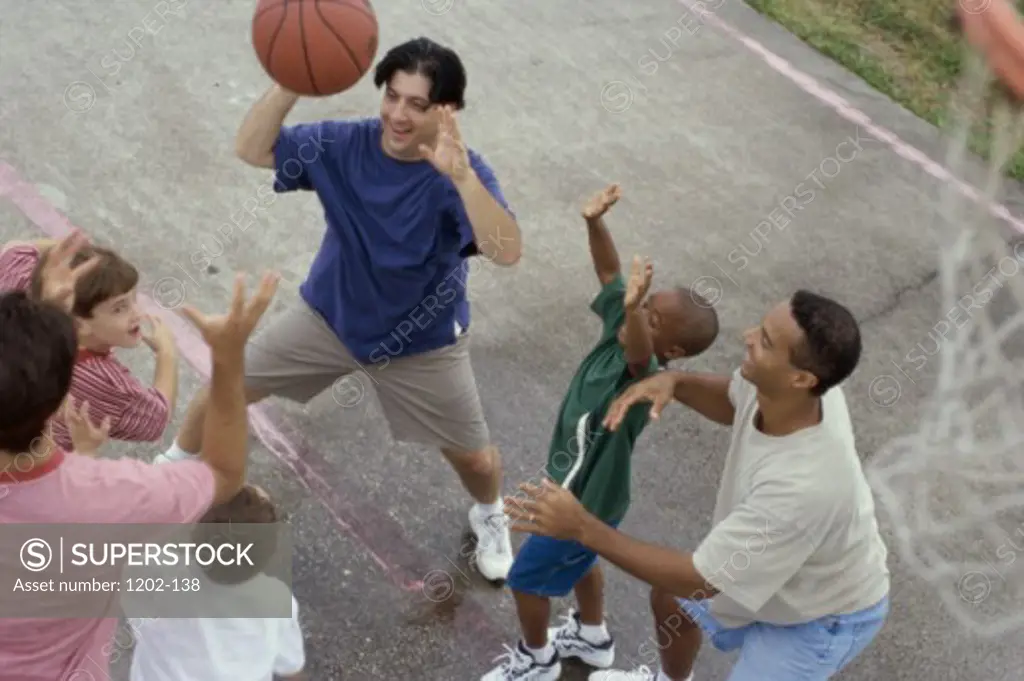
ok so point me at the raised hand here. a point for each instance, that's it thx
(639, 283)
(449, 154)
(659, 390)
(157, 336)
(86, 436)
(599, 203)
(228, 333)
(59, 275)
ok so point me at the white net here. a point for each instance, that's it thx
(953, 489)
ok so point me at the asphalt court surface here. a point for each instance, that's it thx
(736, 180)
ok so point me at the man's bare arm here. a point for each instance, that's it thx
(495, 231)
(258, 134)
(226, 427)
(707, 394)
(38, 244)
(658, 566)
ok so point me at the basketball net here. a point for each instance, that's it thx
(953, 489)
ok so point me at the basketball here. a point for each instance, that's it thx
(315, 47)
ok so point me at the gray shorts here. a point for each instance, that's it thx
(429, 398)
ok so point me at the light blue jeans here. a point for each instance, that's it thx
(814, 651)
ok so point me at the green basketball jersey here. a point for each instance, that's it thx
(593, 462)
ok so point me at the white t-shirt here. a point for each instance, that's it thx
(795, 536)
(221, 649)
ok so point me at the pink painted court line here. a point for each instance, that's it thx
(851, 113)
(379, 536)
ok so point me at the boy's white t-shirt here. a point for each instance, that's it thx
(224, 648)
(795, 536)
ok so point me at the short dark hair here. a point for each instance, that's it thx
(38, 346)
(113, 276)
(238, 521)
(440, 64)
(701, 327)
(831, 345)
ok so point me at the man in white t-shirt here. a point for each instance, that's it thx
(793, 574)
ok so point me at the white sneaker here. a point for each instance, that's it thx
(569, 643)
(174, 453)
(163, 458)
(520, 665)
(493, 544)
(638, 674)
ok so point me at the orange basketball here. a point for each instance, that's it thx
(315, 47)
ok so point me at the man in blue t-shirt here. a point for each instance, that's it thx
(406, 203)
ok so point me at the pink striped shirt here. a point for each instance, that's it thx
(137, 413)
(16, 266)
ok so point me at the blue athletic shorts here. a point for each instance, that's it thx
(814, 651)
(549, 567)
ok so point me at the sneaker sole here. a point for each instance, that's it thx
(550, 674)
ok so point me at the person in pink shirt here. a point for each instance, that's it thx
(42, 483)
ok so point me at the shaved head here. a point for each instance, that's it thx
(693, 322)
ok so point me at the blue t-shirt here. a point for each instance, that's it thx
(390, 275)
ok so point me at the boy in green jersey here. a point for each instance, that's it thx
(639, 334)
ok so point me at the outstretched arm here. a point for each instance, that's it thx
(549, 510)
(665, 568)
(707, 394)
(602, 247)
(39, 244)
(495, 230)
(255, 140)
(784, 523)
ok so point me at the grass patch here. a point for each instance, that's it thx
(906, 50)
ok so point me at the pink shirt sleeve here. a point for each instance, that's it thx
(138, 413)
(130, 491)
(16, 266)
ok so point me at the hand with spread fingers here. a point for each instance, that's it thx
(228, 333)
(658, 390)
(158, 336)
(449, 154)
(59, 273)
(86, 436)
(547, 510)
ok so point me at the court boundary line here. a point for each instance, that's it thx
(848, 111)
(473, 626)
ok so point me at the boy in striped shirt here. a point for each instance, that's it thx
(106, 316)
